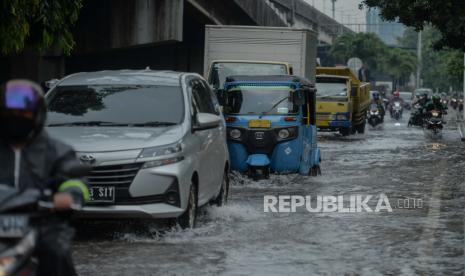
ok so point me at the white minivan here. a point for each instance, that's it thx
(156, 141)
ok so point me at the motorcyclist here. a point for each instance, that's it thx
(31, 159)
(435, 104)
(417, 116)
(395, 98)
(379, 102)
(422, 100)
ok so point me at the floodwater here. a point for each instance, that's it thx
(402, 163)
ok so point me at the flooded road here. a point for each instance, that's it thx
(240, 239)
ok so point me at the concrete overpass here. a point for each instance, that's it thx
(162, 34)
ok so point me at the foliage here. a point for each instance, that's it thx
(441, 69)
(366, 46)
(39, 23)
(448, 16)
(397, 63)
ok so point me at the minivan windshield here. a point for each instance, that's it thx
(260, 100)
(222, 70)
(144, 105)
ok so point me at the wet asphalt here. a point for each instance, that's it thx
(422, 177)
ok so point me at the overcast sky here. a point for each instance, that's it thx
(347, 11)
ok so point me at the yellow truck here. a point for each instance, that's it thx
(342, 100)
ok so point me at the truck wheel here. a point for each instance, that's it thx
(189, 218)
(361, 128)
(345, 131)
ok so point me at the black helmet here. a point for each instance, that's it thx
(436, 98)
(22, 111)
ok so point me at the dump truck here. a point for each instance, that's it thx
(342, 100)
(256, 50)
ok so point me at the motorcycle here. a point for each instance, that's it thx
(22, 212)
(416, 117)
(396, 112)
(454, 103)
(433, 122)
(445, 102)
(374, 117)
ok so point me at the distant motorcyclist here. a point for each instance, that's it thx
(395, 98)
(435, 104)
(379, 102)
(29, 158)
(417, 115)
(421, 100)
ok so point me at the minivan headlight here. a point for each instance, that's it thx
(156, 152)
(160, 151)
(162, 162)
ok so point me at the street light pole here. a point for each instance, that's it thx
(419, 54)
(334, 8)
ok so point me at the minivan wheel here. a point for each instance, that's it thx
(222, 197)
(189, 218)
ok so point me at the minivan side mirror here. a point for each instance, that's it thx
(51, 83)
(206, 121)
(298, 97)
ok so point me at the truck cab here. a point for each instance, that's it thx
(342, 100)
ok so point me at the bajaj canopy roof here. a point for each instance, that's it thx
(273, 79)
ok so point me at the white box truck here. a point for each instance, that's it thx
(257, 50)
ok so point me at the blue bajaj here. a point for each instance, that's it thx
(271, 125)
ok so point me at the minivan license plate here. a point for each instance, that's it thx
(102, 194)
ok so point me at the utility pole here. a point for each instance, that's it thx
(334, 8)
(464, 82)
(419, 54)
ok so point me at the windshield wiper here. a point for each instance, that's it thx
(88, 123)
(274, 106)
(152, 124)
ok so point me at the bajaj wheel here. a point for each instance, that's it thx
(189, 218)
(315, 171)
(222, 197)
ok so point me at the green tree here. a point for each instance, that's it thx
(399, 64)
(441, 69)
(39, 23)
(448, 16)
(366, 46)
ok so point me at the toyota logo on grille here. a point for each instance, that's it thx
(87, 158)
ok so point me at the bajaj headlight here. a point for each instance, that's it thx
(162, 152)
(235, 134)
(283, 134)
(287, 133)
